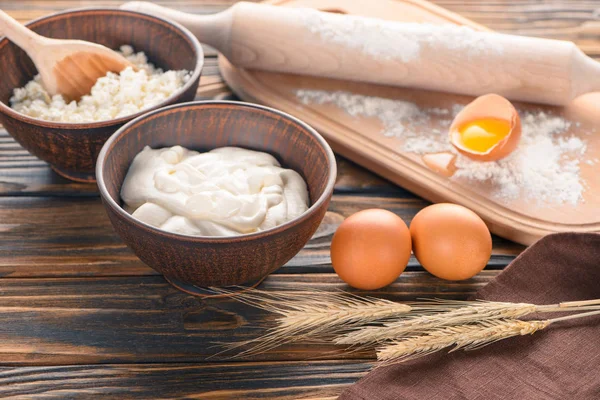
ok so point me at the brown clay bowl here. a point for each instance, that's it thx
(218, 261)
(72, 148)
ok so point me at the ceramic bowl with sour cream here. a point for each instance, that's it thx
(227, 191)
(216, 193)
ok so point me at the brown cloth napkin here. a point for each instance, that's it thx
(561, 362)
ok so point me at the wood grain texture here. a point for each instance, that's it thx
(211, 381)
(72, 293)
(144, 319)
(72, 237)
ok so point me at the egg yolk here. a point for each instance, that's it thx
(481, 135)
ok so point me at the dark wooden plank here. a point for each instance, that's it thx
(38, 179)
(352, 178)
(144, 319)
(247, 380)
(574, 20)
(44, 237)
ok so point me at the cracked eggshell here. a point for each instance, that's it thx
(443, 163)
(489, 106)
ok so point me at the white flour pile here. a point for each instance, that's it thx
(389, 40)
(545, 167)
(399, 118)
(113, 96)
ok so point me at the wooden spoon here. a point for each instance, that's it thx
(333, 45)
(68, 67)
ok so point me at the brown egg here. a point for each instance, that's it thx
(370, 249)
(487, 129)
(450, 241)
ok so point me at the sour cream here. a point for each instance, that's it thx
(224, 192)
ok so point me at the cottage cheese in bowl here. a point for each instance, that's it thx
(113, 96)
(228, 191)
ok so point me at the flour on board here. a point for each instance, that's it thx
(545, 167)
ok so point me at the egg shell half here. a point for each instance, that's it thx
(450, 241)
(491, 106)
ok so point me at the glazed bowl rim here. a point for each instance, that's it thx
(197, 48)
(313, 209)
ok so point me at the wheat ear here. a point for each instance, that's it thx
(462, 336)
(453, 312)
(301, 316)
(467, 337)
(423, 323)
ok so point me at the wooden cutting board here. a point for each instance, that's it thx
(361, 140)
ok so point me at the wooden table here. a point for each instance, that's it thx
(82, 316)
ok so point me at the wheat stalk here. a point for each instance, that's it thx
(302, 316)
(350, 320)
(448, 315)
(463, 315)
(467, 337)
(297, 308)
(462, 336)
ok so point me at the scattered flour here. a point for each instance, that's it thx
(538, 167)
(545, 167)
(388, 111)
(390, 40)
(113, 96)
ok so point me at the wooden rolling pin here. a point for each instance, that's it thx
(436, 57)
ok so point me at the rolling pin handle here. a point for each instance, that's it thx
(585, 75)
(213, 29)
